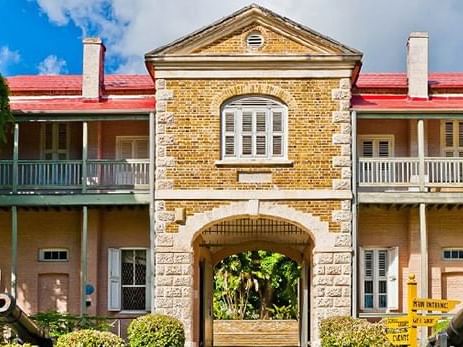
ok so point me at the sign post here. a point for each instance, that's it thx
(411, 295)
(402, 331)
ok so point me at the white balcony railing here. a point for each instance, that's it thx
(69, 174)
(396, 172)
(387, 171)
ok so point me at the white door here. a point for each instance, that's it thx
(128, 149)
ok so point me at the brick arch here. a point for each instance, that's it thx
(252, 88)
(317, 230)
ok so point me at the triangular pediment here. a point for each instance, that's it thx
(280, 36)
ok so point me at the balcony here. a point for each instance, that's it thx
(65, 175)
(382, 174)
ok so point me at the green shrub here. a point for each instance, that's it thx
(90, 338)
(350, 332)
(16, 345)
(156, 330)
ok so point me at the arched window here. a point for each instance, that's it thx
(254, 127)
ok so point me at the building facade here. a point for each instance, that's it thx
(252, 133)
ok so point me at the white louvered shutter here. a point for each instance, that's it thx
(141, 149)
(125, 149)
(114, 279)
(229, 136)
(393, 279)
(148, 280)
(367, 149)
(277, 133)
(384, 148)
(261, 131)
(361, 257)
(246, 130)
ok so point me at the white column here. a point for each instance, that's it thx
(83, 260)
(354, 216)
(421, 153)
(14, 250)
(15, 157)
(152, 234)
(84, 155)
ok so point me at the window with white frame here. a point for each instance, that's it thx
(254, 127)
(452, 138)
(374, 146)
(379, 287)
(128, 279)
(452, 254)
(53, 254)
(132, 147)
(55, 141)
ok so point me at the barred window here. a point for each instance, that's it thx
(254, 127)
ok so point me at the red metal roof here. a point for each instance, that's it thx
(79, 104)
(72, 84)
(381, 103)
(399, 80)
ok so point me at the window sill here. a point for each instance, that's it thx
(254, 163)
(127, 312)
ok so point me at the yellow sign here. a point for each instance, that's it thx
(399, 322)
(398, 339)
(425, 321)
(434, 305)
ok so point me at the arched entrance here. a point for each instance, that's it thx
(238, 234)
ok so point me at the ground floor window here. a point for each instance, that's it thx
(128, 279)
(379, 278)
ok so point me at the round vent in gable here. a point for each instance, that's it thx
(254, 40)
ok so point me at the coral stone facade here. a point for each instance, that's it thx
(119, 193)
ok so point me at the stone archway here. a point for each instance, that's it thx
(236, 235)
(177, 264)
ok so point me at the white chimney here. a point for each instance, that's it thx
(93, 68)
(417, 65)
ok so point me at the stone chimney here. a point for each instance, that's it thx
(417, 65)
(93, 68)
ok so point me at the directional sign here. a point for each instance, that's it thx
(434, 305)
(425, 321)
(399, 322)
(398, 339)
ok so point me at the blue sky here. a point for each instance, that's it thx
(44, 36)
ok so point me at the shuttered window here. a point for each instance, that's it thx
(253, 127)
(128, 280)
(132, 147)
(452, 138)
(379, 270)
(374, 146)
(55, 141)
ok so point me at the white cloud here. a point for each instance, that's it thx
(8, 57)
(52, 65)
(378, 28)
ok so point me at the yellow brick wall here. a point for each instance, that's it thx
(317, 208)
(235, 43)
(197, 135)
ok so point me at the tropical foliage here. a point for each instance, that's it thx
(256, 285)
(5, 113)
(56, 324)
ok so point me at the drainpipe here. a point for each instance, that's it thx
(354, 217)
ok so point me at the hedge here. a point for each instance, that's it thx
(351, 332)
(156, 330)
(90, 338)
